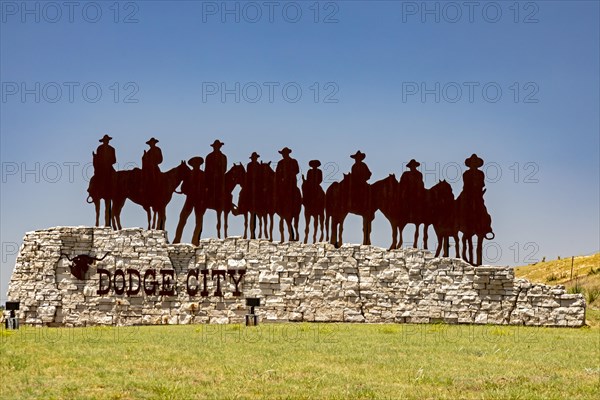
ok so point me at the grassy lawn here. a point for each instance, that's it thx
(339, 361)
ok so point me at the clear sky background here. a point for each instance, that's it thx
(157, 64)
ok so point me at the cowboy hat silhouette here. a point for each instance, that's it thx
(359, 156)
(152, 141)
(474, 161)
(217, 144)
(285, 150)
(196, 162)
(314, 163)
(254, 156)
(105, 139)
(413, 164)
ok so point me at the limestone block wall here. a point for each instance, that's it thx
(295, 282)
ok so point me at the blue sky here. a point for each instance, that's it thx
(369, 63)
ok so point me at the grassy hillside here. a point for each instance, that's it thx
(584, 279)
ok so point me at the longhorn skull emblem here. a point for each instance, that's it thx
(81, 263)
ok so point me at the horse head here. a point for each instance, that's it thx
(236, 174)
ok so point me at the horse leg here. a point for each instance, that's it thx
(321, 223)
(97, 207)
(270, 227)
(394, 236)
(479, 249)
(400, 229)
(149, 214)
(281, 229)
(456, 243)
(365, 231)
(291, 233)
(416, 235)
(464, 247)
(260, 226)
(225, 221)
(340, 236)
(440, 239)
(306, 225)
(333, 226)
(245, 225)
(107, 212)
(425, 236)
(470, 243)
(315, 227)
(219, 224)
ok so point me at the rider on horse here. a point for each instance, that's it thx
(412, 190)
(285, 174)
(103, 161)
(470, 201)
(215, 169)
(359, 175)
(150, 170)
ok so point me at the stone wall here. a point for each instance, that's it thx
(295, 282)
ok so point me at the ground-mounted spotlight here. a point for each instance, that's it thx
(12, 322)
(252, 318)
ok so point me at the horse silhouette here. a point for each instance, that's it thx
(440, 212)
(475, 221)
(385, 194)
(313, 199)
(341, 200)
(128, 185)
(222, 201)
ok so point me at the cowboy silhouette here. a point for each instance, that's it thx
(194, 187)
(288, 200)
(287, 170)
(214, 170)
(359, 175)
(314, 176)
(103, 161)
(150, 168)
(313, 198)
(412, 190)
(252, 185)
(473, 178)
(105, 158)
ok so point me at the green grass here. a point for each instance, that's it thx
(338, 361)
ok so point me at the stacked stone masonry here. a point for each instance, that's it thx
(295, 282)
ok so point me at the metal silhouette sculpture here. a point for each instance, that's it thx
(81, 264)
(313, 200)
(218, 196)
(350, 196)
(102, 182)
(194, 188)
(473, 218)
(288, 199)
(266, 192)
(256, 198)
